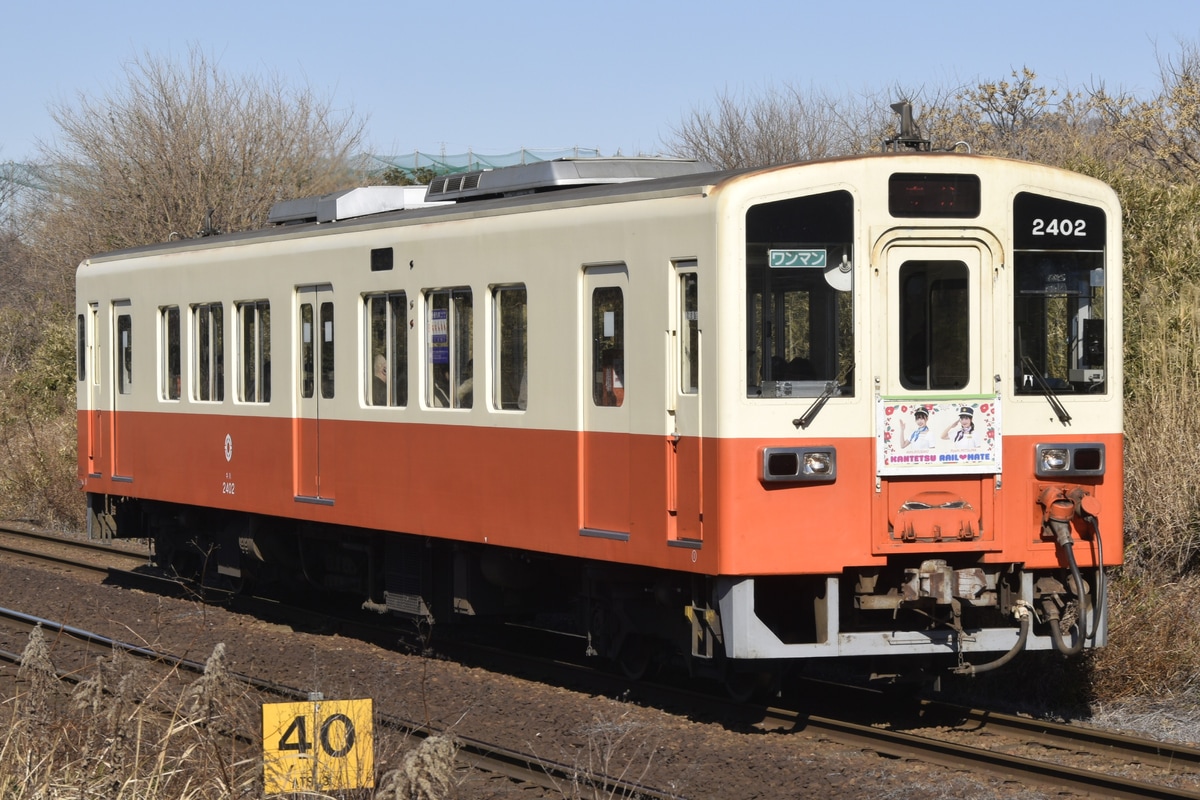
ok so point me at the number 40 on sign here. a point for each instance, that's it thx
(322, 744)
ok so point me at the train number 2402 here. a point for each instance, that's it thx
(1060, 227)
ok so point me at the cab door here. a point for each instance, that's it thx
(122, 391)
(92, 356)
(934, 313)
(314, 392)
(685, 454)
(606, 443)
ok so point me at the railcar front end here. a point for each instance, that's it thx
(923, 404)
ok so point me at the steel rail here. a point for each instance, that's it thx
(901, 744)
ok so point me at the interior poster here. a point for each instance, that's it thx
(926, 437)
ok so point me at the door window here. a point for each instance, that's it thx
(125, 354)
(935, 325)
(608, 346)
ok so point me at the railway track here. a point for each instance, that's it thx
(79, 554)
(1070, 757)
(1073, 758)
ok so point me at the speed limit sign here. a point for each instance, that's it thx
(323, 744)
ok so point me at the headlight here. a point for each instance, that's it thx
(818, 463)
(1053, 460)
(798, 464)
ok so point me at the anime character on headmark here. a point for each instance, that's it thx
(921, 436)
(962, 432)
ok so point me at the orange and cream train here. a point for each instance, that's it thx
(865, 407)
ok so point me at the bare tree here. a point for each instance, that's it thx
(149, 161)
(777, 127)
(143, 164)
(1020, 117)
(1165, 128)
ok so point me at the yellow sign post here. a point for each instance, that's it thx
(318, 745)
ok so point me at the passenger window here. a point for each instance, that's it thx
(327, 383)
(935, 325)
(450, 382)
(169, 369)
(689, 333)
(254, 323)
(511, 346)
(209, 332)
(386, 378)
(124, 354)
(608, 346)
(799, 298)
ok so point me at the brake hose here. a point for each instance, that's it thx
(1055, 628)
(1101, 583)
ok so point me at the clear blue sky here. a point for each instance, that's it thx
(496, 76)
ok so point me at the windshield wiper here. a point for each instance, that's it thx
(831, 387)
(1051, 398)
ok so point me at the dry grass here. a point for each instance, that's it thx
(129, 733)
(611, 746)
(121, 734)
(1154, 641)
(1162, 463)
(426, 772)
(37, 418)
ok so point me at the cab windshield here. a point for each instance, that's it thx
(1059, 294)
(800, 305)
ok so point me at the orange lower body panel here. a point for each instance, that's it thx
(690, 505)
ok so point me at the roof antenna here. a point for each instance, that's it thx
(908, 136)
(208, 229)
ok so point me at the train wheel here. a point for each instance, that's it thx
(636, 657)
(744, 686)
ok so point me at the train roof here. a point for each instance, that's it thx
(561, 182)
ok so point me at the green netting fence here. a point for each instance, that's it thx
(447, 164)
